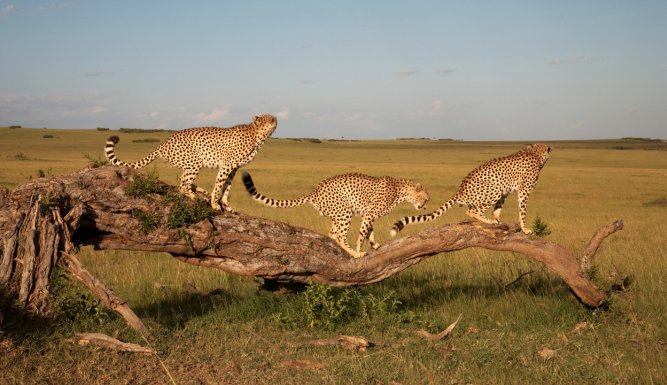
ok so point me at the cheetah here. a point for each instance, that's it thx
(342, 196)
(226, 149)
(489, 184)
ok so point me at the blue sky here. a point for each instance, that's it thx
(470, 70)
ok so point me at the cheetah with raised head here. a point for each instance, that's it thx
(489, 184)
(226, 149)
(342, 196)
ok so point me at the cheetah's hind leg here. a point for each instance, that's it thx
(478, 213)
(365, 232)
(186, 184)
(498, 208)
(339, 226)
(220, 191)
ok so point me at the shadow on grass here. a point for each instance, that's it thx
(182, 306)
(421, 291)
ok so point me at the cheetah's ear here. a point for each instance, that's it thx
(529, 146)
(255, 118)
(419, 187)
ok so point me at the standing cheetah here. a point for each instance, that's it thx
(489, 184)
(342, 196)
(226, 149)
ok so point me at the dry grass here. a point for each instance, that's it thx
(217, 328)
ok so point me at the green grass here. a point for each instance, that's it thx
(217, 328)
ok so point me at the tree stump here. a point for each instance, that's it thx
(44, 219)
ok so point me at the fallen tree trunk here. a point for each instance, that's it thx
(42, 218)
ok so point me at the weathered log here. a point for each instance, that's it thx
(104, 340)
(96, 210)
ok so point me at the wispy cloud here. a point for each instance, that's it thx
(52, 6)
(284, 114)
(7, 10)
(216, 114)
(446, 71)
(405, 73)
(306, 82)
(571, 60)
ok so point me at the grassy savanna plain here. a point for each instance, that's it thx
(216, 328)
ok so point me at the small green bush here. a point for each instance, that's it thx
(148, 221)
(96, 162)
(47, 203)
(75, 306)
(144, 185)
(185, 212)
(325, 307)
(540, 228)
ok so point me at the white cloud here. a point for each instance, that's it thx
(97, 110)
(284, 114)
(437, 106)
(154, 114)
(406, 73)
(7, 10)
(216, 114)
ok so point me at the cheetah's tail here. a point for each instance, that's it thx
(111, 156)
(250, 186)
(398, 226)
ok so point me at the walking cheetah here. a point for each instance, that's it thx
(342, 196)
(226, 149)
(489, 184)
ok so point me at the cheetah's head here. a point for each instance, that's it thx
(417, 195)
(541, 150)
(266, 122)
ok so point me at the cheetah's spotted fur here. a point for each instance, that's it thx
(342, 196)
(226, 149)
(489, 184)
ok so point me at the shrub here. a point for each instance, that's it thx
(147, 220)
(144, 185)
(185, 212)
(541, 229)
(96, 162)
(323, 306)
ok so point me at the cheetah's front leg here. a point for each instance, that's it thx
(523, 202)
